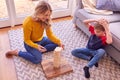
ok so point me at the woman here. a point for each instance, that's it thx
(33, 28)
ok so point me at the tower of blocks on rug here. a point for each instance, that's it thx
(56, 66)
(57, 57)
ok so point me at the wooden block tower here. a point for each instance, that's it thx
(56, 66)
(57, 57)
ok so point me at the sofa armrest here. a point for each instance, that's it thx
(79, 4)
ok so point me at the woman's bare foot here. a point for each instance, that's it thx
(75, 26)
(11, 53)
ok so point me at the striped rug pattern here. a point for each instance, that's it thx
(72, 38)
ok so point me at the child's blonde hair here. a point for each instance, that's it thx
(41, 8)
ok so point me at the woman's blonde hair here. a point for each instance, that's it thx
(41, 8)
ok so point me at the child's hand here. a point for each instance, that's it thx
(103, 22)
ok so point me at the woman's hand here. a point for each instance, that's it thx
(62, 45)
(41, 48)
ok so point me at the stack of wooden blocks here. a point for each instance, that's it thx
(56, 66)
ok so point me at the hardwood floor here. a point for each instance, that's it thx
(7, 68)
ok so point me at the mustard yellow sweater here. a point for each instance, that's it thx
(33, 31)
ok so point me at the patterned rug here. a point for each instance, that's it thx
(72, 38)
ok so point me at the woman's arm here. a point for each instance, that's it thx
(27, 29)
(52, 37)
(27, 40)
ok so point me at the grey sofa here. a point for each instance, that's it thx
(80, 14)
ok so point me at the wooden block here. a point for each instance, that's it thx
(57, 57)
(58, 49)
(51, 72)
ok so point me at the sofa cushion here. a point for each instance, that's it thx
(82, 14)
(112, 5)
(115, 30)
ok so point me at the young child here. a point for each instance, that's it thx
(100, 37)
(34, 41)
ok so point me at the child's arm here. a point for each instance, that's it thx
(105, 24)
(88, 21)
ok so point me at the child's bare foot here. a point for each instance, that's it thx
(9, 54)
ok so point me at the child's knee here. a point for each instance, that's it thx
(101, 51)
(73, 52)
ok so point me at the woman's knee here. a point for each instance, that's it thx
(37, 61)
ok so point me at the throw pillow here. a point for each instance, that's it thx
(90, 6)
(113, 5)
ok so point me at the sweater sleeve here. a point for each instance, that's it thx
(27, 30)
(52, 37)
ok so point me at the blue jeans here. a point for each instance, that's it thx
(86, 54)
(34, 55)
